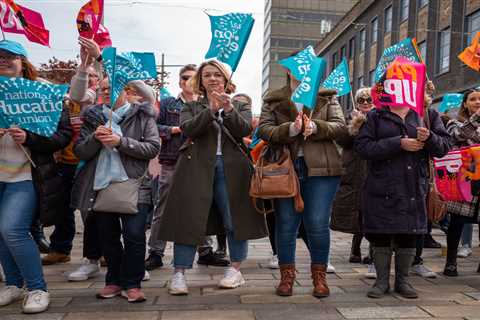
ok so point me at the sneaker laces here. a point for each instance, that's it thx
(178, 280)
(35, 295)
(230, 272)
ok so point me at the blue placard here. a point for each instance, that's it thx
(307, 90)
(31, 105)
(450, 101)
(339, 79)
(299, 64)
(404, 48)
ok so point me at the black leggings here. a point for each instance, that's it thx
(392, 240)
(454, 234)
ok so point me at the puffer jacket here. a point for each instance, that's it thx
(321, 153)
(140, 143)
(47, 180)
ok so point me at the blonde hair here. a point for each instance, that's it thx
(196, 80)
(362, 93)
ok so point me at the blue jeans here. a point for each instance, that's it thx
(183, 254)
(467, 234)
(318, 194)
(61, 239)
(126, 265)
(19, 254)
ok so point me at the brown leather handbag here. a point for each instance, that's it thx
(274, 177)
(436, 207)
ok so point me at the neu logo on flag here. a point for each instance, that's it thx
(230, 34)
(306, 92)
(299, 65)
(339, 79)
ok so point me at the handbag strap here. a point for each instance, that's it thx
(235, 142)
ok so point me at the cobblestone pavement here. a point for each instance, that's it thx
(440, 298)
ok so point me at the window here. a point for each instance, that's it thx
(361, 83)
(371, 75)
(334, 60)
(422, 47)
(422, 3)
(473, 26)
(404, 6)
(444, 51)
(343, 52)
(351, 48)
(363, 40)
(388, 19)
(374, 30)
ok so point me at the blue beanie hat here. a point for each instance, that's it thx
(13, 47)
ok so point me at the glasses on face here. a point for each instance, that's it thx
(364, 100)
(185, 77)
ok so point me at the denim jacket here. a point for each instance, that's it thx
(169, 117)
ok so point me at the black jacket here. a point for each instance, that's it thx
(393, 200)
(169, 117)
(46, 178)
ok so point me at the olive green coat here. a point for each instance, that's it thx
(190, 212)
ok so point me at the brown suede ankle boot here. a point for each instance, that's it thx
(285, 287)
(320, 287)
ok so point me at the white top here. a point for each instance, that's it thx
(219, 134)
(14, 164)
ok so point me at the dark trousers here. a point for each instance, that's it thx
(392, 240)
(64, 232)
(420, 245)
(271, 230)
(125, 262)
(454, 234)
(92, 248)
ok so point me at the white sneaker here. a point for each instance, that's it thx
(330, 268)
(36, 301)
(424, 272)
(146, 276)
(232, 279)
(178, 286)
(464, 251)
(85, 271)
(273, 263)
(10, 294)
(371, 272)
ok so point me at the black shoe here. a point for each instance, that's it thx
(450, 270)
(43, 245)
(153, 262)
(355, 259)
(430, 243)
(367, 260)
(220, 253)
(211, 260)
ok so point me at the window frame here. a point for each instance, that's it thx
(404, 4)
(374, 30)
(388, 9)
(441, 46)
(363, 40)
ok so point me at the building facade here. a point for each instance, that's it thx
(292, 25)
(442, 28)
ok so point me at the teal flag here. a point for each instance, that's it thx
(339, 79)
(230, 34)
(307, 90)
(31, 105)
(450, 101)
(404, 48)
(164, 93)
(299, 64)
(125, 67)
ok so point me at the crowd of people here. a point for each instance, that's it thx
(363, 172)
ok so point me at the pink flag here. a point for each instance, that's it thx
(404, 86)
(102, 37)
(24, 21)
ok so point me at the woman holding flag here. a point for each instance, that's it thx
(318, 164)
(397, 144)
(29, 183)
(464, 132)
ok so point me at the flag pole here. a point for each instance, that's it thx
(3, 32)
(353, 101)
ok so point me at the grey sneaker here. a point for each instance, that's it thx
(423, 271)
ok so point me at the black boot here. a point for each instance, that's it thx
(210, 259)
(403, 261)
(153, 262)
(382, 258)
(451, 264)
(355, 252)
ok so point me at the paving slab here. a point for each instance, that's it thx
(383, 313)
(149, 315)
(208, 315)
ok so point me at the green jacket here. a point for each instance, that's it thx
(322, 154)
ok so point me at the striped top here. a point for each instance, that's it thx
(14, 165)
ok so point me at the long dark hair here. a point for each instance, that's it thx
(28, 70)
(464, 113)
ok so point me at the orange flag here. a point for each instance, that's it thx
(471, 55)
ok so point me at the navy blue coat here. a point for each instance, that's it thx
(394, 195)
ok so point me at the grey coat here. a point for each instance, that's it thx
(190, 211)
(139, 144)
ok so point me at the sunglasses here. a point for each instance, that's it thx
(185, 78)
(364, 100)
